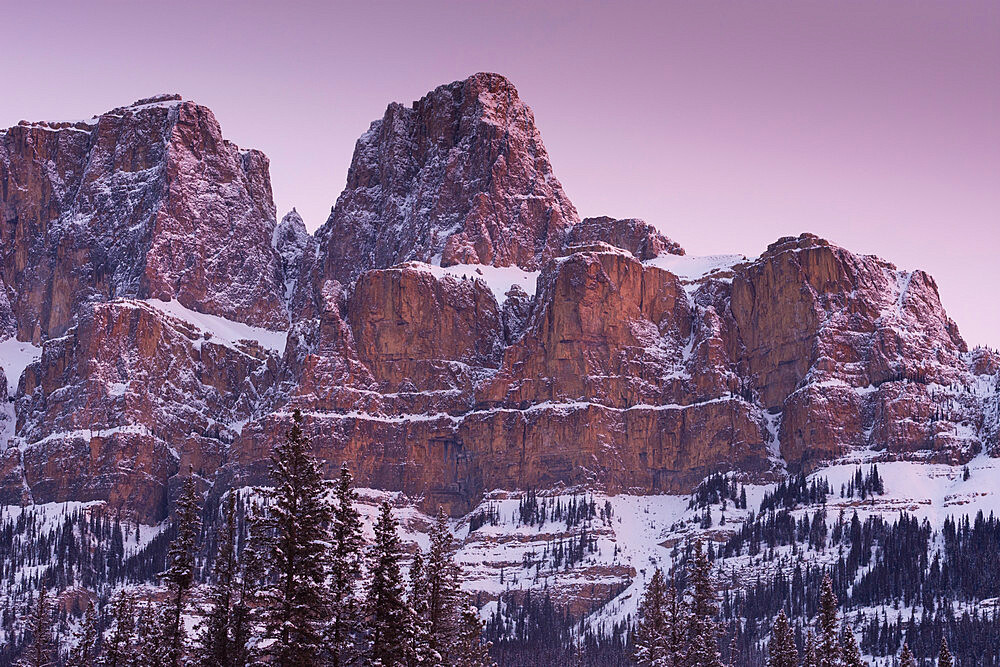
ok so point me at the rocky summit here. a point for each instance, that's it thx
(453, 328)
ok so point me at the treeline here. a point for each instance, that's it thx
(876, 567)
(296, 584)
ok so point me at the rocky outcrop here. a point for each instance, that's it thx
(853, 352)
(639, 237)
(143, 201)
(459, 177)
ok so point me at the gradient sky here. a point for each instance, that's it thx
(875, 124)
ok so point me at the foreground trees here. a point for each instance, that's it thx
(292, 584)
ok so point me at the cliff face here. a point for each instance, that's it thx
(142, 201)
(452, 329)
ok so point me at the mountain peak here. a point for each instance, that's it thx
(461, 177)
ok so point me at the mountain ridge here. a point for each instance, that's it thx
(626, 365)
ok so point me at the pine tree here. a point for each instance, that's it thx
(251, 566)
(442, 588)
(84, 650)
(674, 648)
(345, 569)
(118, 646)
(216, 643)
(702, 627)
(828, 650)
(179, 576)
(810, 657)
(781, 650)
(420, 652)
(41, 652)
(906, 658)
(147, 639)
(386, 606)
(851, 651)
(652, 632)
(944, 656)
(296, 604)
(471, 650)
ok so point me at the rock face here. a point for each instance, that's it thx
(570, 353)
(459, 177)
(639, 237)
(143, 201)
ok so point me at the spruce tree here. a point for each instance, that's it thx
(906, 658)
(944, 656)
(179, 575)
(828, 651)
(298, 525)
(420, 652)
(41, 651)
(471, 651)
(147, 641)
(781, 650)
(216, 647)
(442, 588)
(652, 633)
(84, 650)
(851, 650)
(702, 648)
(346, 546)
(250, 562)
(674, 647)
(386, 606)
(810, 657)
(118, 646)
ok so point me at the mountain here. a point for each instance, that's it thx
(454, 332)
(133, 240)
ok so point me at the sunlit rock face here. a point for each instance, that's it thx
(454, 328)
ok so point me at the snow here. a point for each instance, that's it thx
(498, 278)
(222, 330)
(15, 356)
(693, 269)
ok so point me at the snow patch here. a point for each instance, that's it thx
(499, 279)
(222, 330)
(15, 356)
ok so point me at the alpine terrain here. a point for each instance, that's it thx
(461, 424)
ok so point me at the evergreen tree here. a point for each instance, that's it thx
(674, 648)
(944, 656)
(471, 651)
(84, 650)
(179, 576)
(781, 650)
(652, 631)
(851, 650)
(420, 653)
(41, 652)
(811, 652)
(906, 658)
(386, 606)
(828, 650)
(296, 603)
(345, 569)
(147, 639)
(216, 641)
(442, 589)
(118, 646)
(702, 648)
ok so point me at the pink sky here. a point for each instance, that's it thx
(727, 124)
